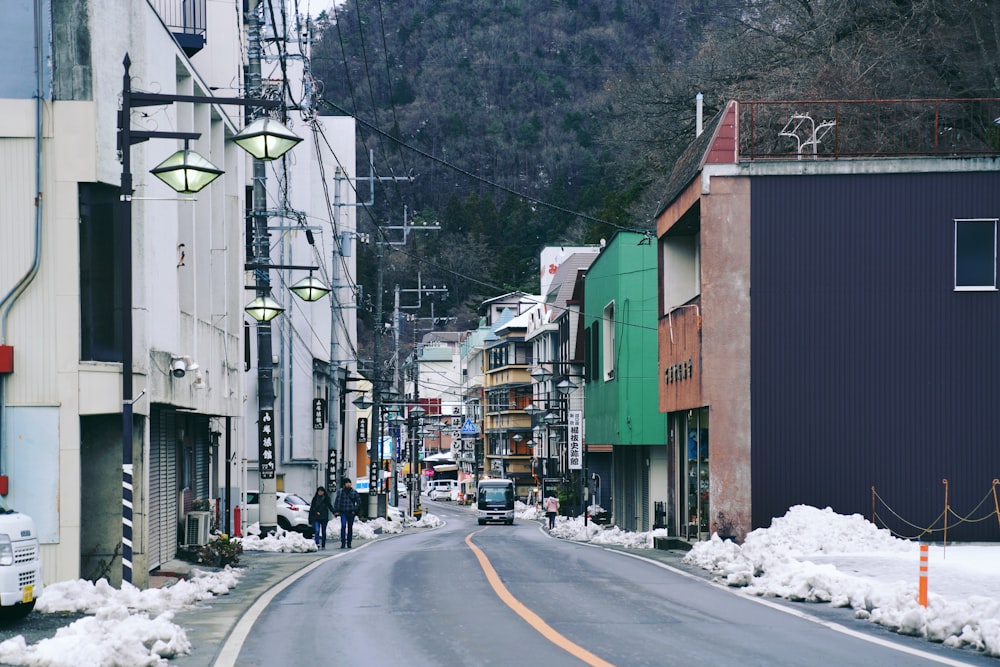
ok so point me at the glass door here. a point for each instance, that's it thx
(693, 427)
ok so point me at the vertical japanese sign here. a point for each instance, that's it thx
(265, 454)
(331, 470)
(362, 429)
(575, 439)
(319, 414)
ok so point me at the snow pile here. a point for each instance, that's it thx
(528, 512)
(120, 630)
(814, 555)
(284, 541)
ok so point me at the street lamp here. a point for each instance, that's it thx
(310, 289)
(264, 309)
(186, 172)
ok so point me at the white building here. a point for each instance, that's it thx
(61, 340)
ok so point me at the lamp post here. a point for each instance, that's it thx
(186, 172)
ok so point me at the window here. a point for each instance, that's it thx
(680, 270)
(976, 254)
(608, 347)
(100, 280)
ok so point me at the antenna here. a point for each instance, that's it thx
(814, 133)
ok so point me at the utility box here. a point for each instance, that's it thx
(6, 359)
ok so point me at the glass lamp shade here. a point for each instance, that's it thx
(532, 409)
(566, 387)
(518, 438)
(417, 411)
(397, 419)
(362, 402)
(541, 374)
(310, 289)
(266, 139)
(264, 309)
(186, 171)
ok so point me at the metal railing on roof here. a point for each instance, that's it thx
(185, 18)
(831, 129)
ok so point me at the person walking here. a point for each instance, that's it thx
(320, 510)
(346, 505)
(551, 509)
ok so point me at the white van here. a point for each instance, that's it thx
(442, 489)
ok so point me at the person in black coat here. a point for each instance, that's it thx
(319, 514)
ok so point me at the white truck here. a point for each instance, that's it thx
(20, 563)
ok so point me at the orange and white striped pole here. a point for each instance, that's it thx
(922, 596)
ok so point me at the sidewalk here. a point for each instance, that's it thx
(209, 623)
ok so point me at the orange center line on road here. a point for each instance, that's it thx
(530, 617)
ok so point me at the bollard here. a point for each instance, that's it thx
(922, 596)
(237, 530)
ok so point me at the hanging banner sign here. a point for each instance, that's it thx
(331, 470)
(319, 414)
(575, 439)
(265, 452)
(362, 429)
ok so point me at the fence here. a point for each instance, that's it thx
(826, 129)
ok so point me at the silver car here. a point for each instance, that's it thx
(293, 511)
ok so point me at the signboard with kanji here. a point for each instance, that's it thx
(362, 429)
(319, 414)
(331, 469)
(575, 439)
(265, 453)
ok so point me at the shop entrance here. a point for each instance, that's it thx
(691, 431)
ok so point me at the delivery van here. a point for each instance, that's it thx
(495, 501)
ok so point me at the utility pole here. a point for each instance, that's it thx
(262, 256)
(420, 290)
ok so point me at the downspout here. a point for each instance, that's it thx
(8, 300)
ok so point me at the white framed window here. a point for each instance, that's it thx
(608, 341)
(975, 254)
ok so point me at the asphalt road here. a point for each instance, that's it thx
(429, 598)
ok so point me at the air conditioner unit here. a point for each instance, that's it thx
(196, 528)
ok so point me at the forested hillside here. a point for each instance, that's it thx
(533, 122)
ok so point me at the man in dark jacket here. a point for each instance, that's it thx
(319, 515)
(346, 505)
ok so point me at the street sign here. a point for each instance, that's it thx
(469, 428)
(575, 427)
(331, 469)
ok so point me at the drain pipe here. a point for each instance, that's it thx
(22, 284)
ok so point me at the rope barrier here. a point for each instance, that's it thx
(940, 524)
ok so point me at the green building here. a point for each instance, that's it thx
(624, 429)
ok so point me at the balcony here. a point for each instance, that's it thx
(186, 21)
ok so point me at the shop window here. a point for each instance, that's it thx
(976, 254)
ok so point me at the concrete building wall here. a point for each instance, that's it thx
(725, 233)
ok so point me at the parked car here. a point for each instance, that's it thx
(442, 489)
(293, 511)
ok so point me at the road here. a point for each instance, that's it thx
(503, 595)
